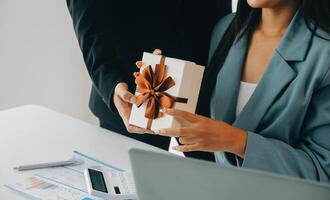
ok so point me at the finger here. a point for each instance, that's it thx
(139, 64)
(157, 52)
(172, 132)
(124, 113)
(144, 130)
(136, 74)
(190, 117)
(125, 95)
(138, 130)
(187, 140)
(186, 148)
(124, 110)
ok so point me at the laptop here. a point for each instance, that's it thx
(163, 176)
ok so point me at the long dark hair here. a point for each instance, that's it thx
(316, 14)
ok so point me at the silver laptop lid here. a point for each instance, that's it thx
(162, 176)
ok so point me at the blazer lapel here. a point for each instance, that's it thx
(279, 74)
(228, 82)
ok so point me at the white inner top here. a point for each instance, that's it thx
(245, 92)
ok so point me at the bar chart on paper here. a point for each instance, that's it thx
(39, 188)
(60, 183)
(40, 184)
(36, 183)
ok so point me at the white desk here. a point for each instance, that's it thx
(33, 134)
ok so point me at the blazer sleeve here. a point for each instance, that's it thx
(93, 30)
(310, 157)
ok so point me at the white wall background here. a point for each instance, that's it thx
(40, 60)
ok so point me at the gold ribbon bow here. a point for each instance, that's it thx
(152, 86)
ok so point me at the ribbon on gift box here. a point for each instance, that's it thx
(152, 86)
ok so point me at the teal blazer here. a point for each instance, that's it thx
(288, 116)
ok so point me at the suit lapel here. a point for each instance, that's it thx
(279, 74)
(228, 82)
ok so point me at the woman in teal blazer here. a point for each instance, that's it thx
(285, 125)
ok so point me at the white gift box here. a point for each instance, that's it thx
(187, 77)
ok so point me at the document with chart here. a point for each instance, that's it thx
(61, 183)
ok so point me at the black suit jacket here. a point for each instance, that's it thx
(113, 35)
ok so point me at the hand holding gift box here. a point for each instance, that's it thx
(164, 83)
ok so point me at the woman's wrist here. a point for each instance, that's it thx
(238, 144)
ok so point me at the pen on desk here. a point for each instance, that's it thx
(47, 165)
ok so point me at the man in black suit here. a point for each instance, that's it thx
(114, 34)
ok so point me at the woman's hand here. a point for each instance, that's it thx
(205, 134)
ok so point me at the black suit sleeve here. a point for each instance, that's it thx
(219, 9)
(93, 30)
(215, 12)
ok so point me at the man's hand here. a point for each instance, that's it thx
(123, 101)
